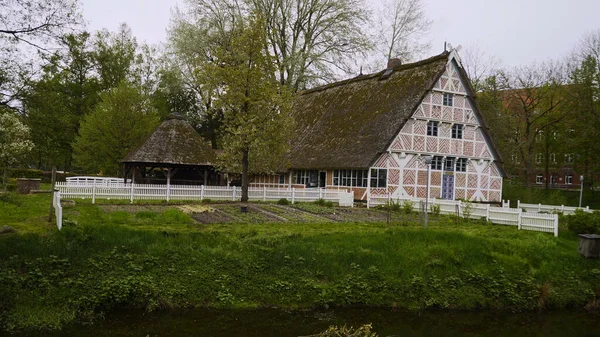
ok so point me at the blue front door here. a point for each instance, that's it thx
(448, 187)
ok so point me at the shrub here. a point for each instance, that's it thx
(407, 207)
(323, 202)
(24, 173)
(335, 331)
(435, 209)
(583, 222)
(283, 201)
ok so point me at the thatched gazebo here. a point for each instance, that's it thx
(177, 150)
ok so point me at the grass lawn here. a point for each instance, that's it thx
(158, 257)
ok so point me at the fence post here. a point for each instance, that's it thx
(201, 192)
(519, 204)
(131, 194)
(94, 194)
(562, 209)
(233, 197)
(264, 193)
(539, 208)
(555, 225)
(519, 219)
(168, 192)
(320, 193)
(293, 194)
(487, 212)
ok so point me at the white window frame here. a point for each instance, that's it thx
(538, 158)
(539, 178)
(461, 165)
(433, 128)
(569, 158)
(449, 161)
(377, 176)
(569, 178)
(448, 99)
(437, 163)
(457, 131)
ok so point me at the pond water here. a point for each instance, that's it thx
(386, 322)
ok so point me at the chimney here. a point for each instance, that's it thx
(393, 62)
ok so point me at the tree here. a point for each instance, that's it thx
(14, 141)
(311, 41)
(119, 122)
(55, 104)
(115, 56)
(479, 66)
(255, 105)
(27, 26)
(401, 28)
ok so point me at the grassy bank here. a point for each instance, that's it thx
(160, 258)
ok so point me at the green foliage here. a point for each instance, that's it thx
(255, 105)
(120, 122)
(152, 258)
(344, 331)
(283, 201)
(24, 173)
(583, 222)
(407, 207)
(435, 209)
(323, 202)
(514, 192)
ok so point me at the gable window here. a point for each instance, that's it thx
(538, 158)
(378, 177)
(449, 164)
(436, 163)
(432, 128)
(448, 99)
(553, 158)
(568, 178)
(461, 165)
(539, 179)
(457, 131)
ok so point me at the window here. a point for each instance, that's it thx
(302, 177)
(282, 178)
(553, 158)
(569, 158)
(449, 164)
(352, 178)
(432, 128)
(539, 179)
(378, 177)
(540, 135)
(448, 99)
(568, 178)
(436, 163)
(457, 131)
(538, 158)
(515, 159)
(461, 165)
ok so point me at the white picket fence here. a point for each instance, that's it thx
(498, 215)
(539, 208)
(133, 192)
(86, 180)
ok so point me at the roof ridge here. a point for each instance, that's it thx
(377, 74)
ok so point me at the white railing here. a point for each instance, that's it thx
(57, 209)
(539, 208)
(133, 192)
(498, 215)
(100, 181)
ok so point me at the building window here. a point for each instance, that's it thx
(553, 158)
(538, 158)
(569, 158)
(449, 164)
(540, 135)
(457, 131)
(461, 165)
(378, 177)
(351, 178)
(539, 179)
(568, 179)
(436, 163)
(448, 99)
(282, 179)
(432, 128)
(515, 159)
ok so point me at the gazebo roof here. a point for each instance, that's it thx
(173, 143)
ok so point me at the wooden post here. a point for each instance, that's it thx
(233, 198)
(201, 192)
(131, 194)
(264, 193)
(368, 188)
(205, 176)
(53, 182)
(293, 194)
(519, 219)
(555, 225)
(94, 193)
(487, 212)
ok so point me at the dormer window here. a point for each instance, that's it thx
(432, 128)
(448, 99)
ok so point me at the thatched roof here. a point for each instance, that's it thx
(174, 142)
(349, 123)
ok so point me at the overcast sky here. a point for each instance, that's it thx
(516, 31)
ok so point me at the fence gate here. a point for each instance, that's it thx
(448, 187)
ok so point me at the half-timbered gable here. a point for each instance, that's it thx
(370, 133)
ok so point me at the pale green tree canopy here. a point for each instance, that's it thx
(120, 121)
(255, 105)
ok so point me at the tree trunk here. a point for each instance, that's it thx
(245, 165)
